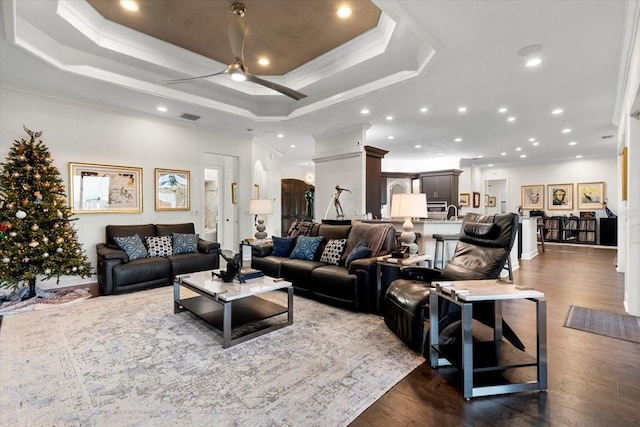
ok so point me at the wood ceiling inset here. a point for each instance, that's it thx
(289, 32)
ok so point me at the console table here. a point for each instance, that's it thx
(469, 356)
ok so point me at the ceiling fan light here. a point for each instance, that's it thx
(238, 76)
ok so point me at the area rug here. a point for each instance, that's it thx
(45, 300)
(614, 325)
(128, 360)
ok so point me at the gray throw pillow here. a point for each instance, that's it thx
(133, 246)
(185, 243)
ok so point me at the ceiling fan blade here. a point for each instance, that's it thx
(236, 28)
(176, 81)
(277, 87)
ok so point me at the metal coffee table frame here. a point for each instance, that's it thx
(226, 311)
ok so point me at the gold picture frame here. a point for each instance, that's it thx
(172, 190)
(465, 200)
(560, 197)
(104, 188)
(491, 202)
(532, 197)
(590, 195)
(234, 193)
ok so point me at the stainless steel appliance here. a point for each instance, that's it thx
(437, 210)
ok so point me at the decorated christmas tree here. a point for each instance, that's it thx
(36, 237)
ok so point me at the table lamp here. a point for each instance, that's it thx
(259, 207)
(409, 206)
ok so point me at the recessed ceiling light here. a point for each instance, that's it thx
(519, 149)
(503, 153)
(391, 137)
(457, 140)
(480, 156)
(573, 143)
(578, 156)
(344, 12)
(424, 109)
(502, 110)
(522, 156)
(511, 119)
(531, 139)
(567, 130)
(264, 61)
(534, 62)
(557, 111)
(389, 118)
(462, 109)
(292, 146)
(440, 154)
(536, 143)
(364, 111)
(417, 146)
(162, 109)
(130, 5)
(280, 135)
(490, 165)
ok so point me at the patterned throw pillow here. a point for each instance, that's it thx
(159, 246)
(333, 251)
(306, 247)
(282, 246)
(185, 243)
(360, 251)
(133, 246)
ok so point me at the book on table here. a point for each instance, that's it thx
(250, 273)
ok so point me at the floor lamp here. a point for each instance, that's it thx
(409, 206)
(260, 207)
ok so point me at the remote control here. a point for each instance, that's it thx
(279, 279)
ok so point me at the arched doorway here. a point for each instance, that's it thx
(294, 203)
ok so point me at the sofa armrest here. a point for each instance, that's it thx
(261, 249)
(105, 252)
(363, 264)
(208, 247)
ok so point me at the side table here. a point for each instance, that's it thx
(388, 270)
(471, 357)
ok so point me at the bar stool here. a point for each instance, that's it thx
(441, 242)
(540, 232)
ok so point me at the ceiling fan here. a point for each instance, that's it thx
(237, 28)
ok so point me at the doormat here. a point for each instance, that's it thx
(614, 325)
(44, 300)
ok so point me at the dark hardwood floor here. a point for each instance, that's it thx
(593, 380)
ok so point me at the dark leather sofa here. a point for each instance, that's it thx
(354, 287)
(118, 274)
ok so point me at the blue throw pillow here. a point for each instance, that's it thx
(185, 243)
(360, 251)
(133, 246)
(282, 246)
(306, 248)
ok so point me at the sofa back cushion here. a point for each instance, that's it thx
(169, 229)
(333, 231)
(111, 231)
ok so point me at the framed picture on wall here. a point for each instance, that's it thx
(234, 193)
(476, 199)
(532, 197)
(590, 195)
(560, 197)
(173, 189)
(491, 201)
(104, 188)
(464, 199)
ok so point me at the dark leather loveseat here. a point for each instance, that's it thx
(118, 274)
(354, 287)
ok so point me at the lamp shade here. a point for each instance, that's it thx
(260, 206)
(413, 205)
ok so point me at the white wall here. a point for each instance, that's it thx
(78, 132)
(583, 170)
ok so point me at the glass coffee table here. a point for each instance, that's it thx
(228, 306)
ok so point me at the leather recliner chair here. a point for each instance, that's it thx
(481, 253)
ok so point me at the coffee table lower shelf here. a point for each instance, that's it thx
(227, 316)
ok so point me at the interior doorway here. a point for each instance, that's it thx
(496, 196)
(220, 209)
(297, 200)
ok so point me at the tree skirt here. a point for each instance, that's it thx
(44, 300)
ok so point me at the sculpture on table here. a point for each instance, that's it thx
(233, 268)
(336, 201)
(309, 199)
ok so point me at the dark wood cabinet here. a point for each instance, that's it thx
(441, 186)
(373, 176)
(609, 231)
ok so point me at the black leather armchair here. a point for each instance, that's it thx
(481, 253)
